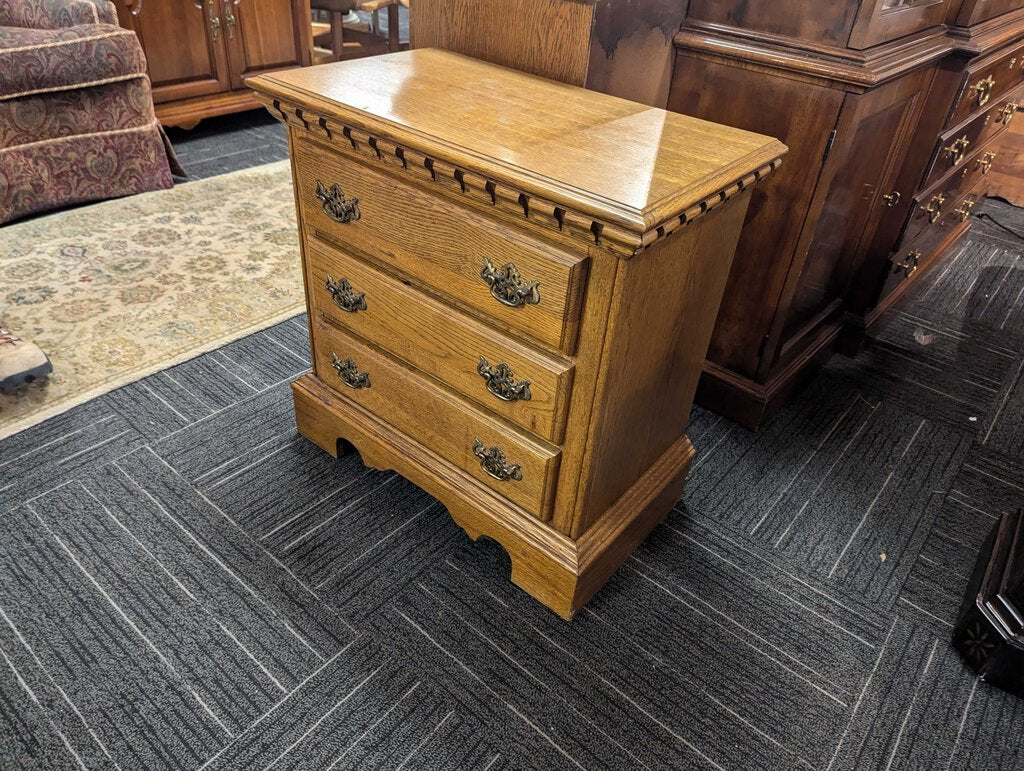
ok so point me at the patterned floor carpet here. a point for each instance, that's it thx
(124, 288)
(185, 582)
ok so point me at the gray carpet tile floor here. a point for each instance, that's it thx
(186, 582)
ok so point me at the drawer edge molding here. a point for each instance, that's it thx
(508, 199)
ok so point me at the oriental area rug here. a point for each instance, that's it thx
(121, 289)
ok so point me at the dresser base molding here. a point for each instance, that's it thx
(561, 573)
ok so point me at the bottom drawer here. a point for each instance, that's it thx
(509, 462)
(914, 253)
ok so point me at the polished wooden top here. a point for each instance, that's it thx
(626, 163)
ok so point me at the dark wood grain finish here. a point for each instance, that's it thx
(869, 96)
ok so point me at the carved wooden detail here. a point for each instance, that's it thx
(507, 199)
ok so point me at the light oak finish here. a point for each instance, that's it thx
(627, 216)
(199, 52)
(618, 48)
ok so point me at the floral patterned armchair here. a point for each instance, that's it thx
(76, 112)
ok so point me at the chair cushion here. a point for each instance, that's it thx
(34, 60)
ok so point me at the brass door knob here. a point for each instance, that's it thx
(892, 199)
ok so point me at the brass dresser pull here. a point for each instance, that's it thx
(983, 88)
(508, 287)
(965, 211)
(502, 383)
(985, 162)
(343, 295)
(349, 372)
(909, 265)
(493, 461)
(956, 151)
(335, 204)
(892, 199)
(1007, 113)
(934, 208)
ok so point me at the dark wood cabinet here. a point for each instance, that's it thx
(893, 120)
(199, 52)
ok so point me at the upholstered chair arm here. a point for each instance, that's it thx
(51, 14)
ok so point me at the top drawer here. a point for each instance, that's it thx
(508, 277)
(987, 82)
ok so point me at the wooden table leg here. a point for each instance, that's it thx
(393, 40)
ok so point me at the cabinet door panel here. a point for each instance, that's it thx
(883, 20)
(266, 35)
(871, 143)
(184, 51)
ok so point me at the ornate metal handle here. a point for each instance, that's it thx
(1007, 113)
(985, 162)
(502, 383)
(983, 88)
(893, 198)
(508, 287)
(965, 210)
(955, 152)
(934, 208)
(349, 372)
(493, 461)
(344, 296)
(214, 19)
(909, 265)
(229, 19)
(335, 204)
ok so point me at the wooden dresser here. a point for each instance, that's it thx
(893, 111)
(199, 52)
(511, 286)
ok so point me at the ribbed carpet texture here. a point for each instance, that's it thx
(185, 582)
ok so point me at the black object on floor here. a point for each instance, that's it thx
(229, 143)
(990, 631)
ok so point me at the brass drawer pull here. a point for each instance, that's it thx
(965, 211)
(492, 460)
(983, 88)
(985, 162)
(1007, 113)
(335, 204)
(502, 383)
(956, 151)
(349, 372)
(934, 208)
(909, 265)
(343, 295)
(508, 287)
(893, 198)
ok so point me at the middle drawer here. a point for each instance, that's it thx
(492, 369)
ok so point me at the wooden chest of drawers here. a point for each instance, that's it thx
(511, 287)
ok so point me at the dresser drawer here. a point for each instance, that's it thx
(913, 252)
(428, 414)
(496, 371)
(444, 247)
(942, 198)
(957, 148)
(988, 82)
